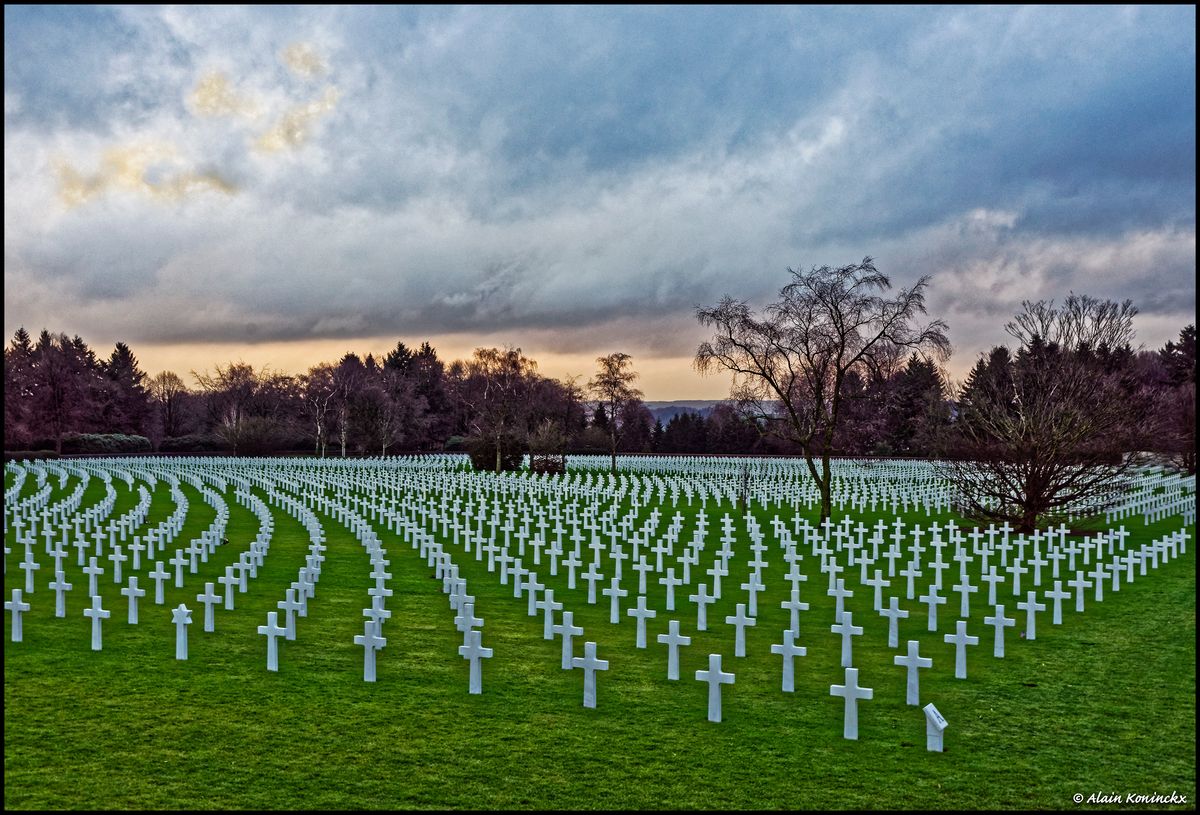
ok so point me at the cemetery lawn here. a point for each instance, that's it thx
(1104, 703)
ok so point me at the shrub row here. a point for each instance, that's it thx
(482, 451)
(21, 455)
(194, 443)
(105, 443)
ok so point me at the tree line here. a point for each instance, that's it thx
(1039, 433)
(837, 365)
(58, 389)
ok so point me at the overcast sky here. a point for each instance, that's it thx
(283, 185)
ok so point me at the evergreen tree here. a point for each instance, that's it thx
(125, 404)
(18, 390)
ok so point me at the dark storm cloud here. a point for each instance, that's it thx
(549, 169)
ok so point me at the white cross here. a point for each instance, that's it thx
(961, 640)
(133, 593)
(715, 678)
(158, 576)
(568, 630)
(1079, 584)
(137, 547)
(911, 571)
(964, 588)
(794, 606)
(878, 583)
(913, 661)
(518, 572)
(1057, 595)
(717, 571)
(992, 577)
(670, 581)
(1037, 562)
(474, 651)
(227, 581)
(29, 565)
(893, 612)
(851, 692)
(841, 593)
(795, 576)
(641, 567)
(377, 614)
(209, 598)
(847, 629)
(592, 576)
(673, 639)
(182, 618)
(370, 642)
(1031, 607)
(999, 622)
(614, 592)
(18, 607)
(272, 631)
(92, 571)
(933, 601)
(1016, 570)
(788, 649)
(740, 621)
(702, 601)
(178, 562)
(59, 586)
(590, 665)
(97, 614)
(1098, 574)
(117, 557)
(641, 613)
(289, 605)
(549, 605)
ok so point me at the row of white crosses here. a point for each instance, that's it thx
(844, 543)
(472, 650)
(567, 629)
(1166, 546)
(371, 639)
(1155, 496)
(128, 524)
(856, 484)
(960, 638)
(301, 590)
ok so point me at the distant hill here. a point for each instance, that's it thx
(665, 411)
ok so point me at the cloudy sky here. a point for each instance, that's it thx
(283, 185)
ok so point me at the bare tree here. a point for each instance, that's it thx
(319, 393)
(396, 412)
(613, 387)
(789, 365)
(230, 391)
(1043, 434)
(1177, 400)
(547, 448)
(495, 388)
(167, 391)
(348, 377)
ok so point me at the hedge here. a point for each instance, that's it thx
(105, 443)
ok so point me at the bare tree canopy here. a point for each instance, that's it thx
(613, 387)
(1177, 399)
(495, 384)
(167, 391)
(1042, 435)
(789, 365)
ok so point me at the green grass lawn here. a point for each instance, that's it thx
(1104, 703)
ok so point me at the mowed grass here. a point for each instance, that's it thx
(1103, 703)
